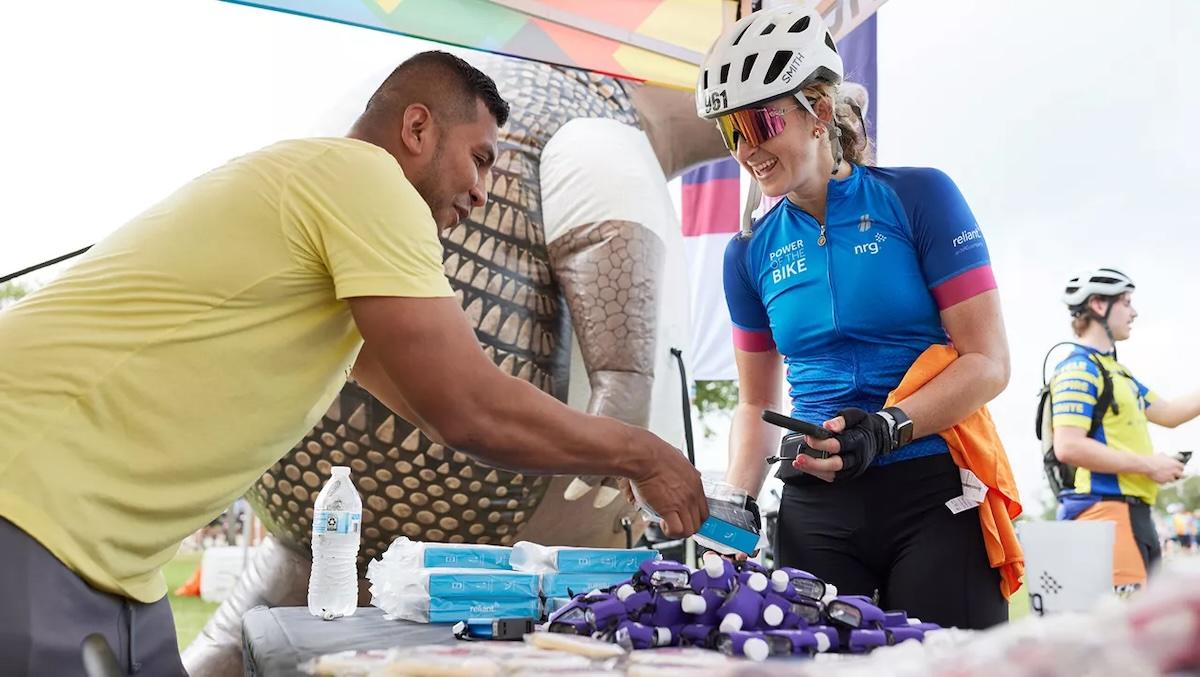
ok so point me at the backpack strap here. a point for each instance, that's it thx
(1044, 395)
(1104, 399)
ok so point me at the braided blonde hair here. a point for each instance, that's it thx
(849, 114)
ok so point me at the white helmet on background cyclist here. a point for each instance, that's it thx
(766, 55)
(1106, 282)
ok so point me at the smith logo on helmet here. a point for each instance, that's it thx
(716, 101)
(792, 66)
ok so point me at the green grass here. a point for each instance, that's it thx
(191, 613)
(1018, 605)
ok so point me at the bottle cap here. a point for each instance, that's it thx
(756, 649)
(714, 566)
(773, 616)
(757, 582)
(693, 604)
(779, 581)
(341, 470)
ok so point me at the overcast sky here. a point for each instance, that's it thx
(1069, 126)
(1071, 129)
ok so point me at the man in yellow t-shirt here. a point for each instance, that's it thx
(1117, 472)
(248, 296)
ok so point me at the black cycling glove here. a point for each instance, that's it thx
(866, 437)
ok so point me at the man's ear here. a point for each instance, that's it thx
(1098, 304)
(416, 128)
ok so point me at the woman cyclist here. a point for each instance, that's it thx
(844, 284)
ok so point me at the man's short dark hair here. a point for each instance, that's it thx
(448, 85)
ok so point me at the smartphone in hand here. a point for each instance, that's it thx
(796, 425)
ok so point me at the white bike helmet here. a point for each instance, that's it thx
(766, 55)
(1096, 282)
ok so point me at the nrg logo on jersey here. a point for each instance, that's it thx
(871, 247)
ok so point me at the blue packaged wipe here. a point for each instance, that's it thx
(728, 534)
(478, 584)
(602, 560)
(454, 610)
(467, 557)
(453, 583)
(731, 523)
(566, 585)
(422, 609)
(528, 556)
(409, 554)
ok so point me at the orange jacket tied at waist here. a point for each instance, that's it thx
(975, 445)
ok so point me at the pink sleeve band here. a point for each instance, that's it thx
(753, 341)
(964, 286)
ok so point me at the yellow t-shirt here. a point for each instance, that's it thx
(152, 383)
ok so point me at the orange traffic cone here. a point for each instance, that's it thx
(192, 587)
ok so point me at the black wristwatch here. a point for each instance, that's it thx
(900, 426)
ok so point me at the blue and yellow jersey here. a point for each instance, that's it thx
(1076, 387)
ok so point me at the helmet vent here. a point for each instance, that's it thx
(801, 25)
(747, 66)
(724, 73)
(777, 65)
(829, 43)
(768, 29)
(739, 37)
(705, 76)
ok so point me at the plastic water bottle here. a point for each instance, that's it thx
(337, 518)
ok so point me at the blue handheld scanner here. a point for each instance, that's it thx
(510, 629)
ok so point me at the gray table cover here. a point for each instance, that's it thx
(275, 641)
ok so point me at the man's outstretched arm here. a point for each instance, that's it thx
(423, 356)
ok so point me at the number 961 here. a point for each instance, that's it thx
(716, 101)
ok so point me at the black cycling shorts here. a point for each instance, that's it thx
(890, 532)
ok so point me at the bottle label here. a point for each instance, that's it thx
(336, 522)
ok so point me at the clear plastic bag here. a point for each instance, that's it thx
(731, 526)
(527, 556)
(425, 609)
(420, 555)
(461, 583)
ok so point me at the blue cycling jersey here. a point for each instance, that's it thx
(851, 315)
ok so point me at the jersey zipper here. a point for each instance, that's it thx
(837, 328)
(822, 240)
